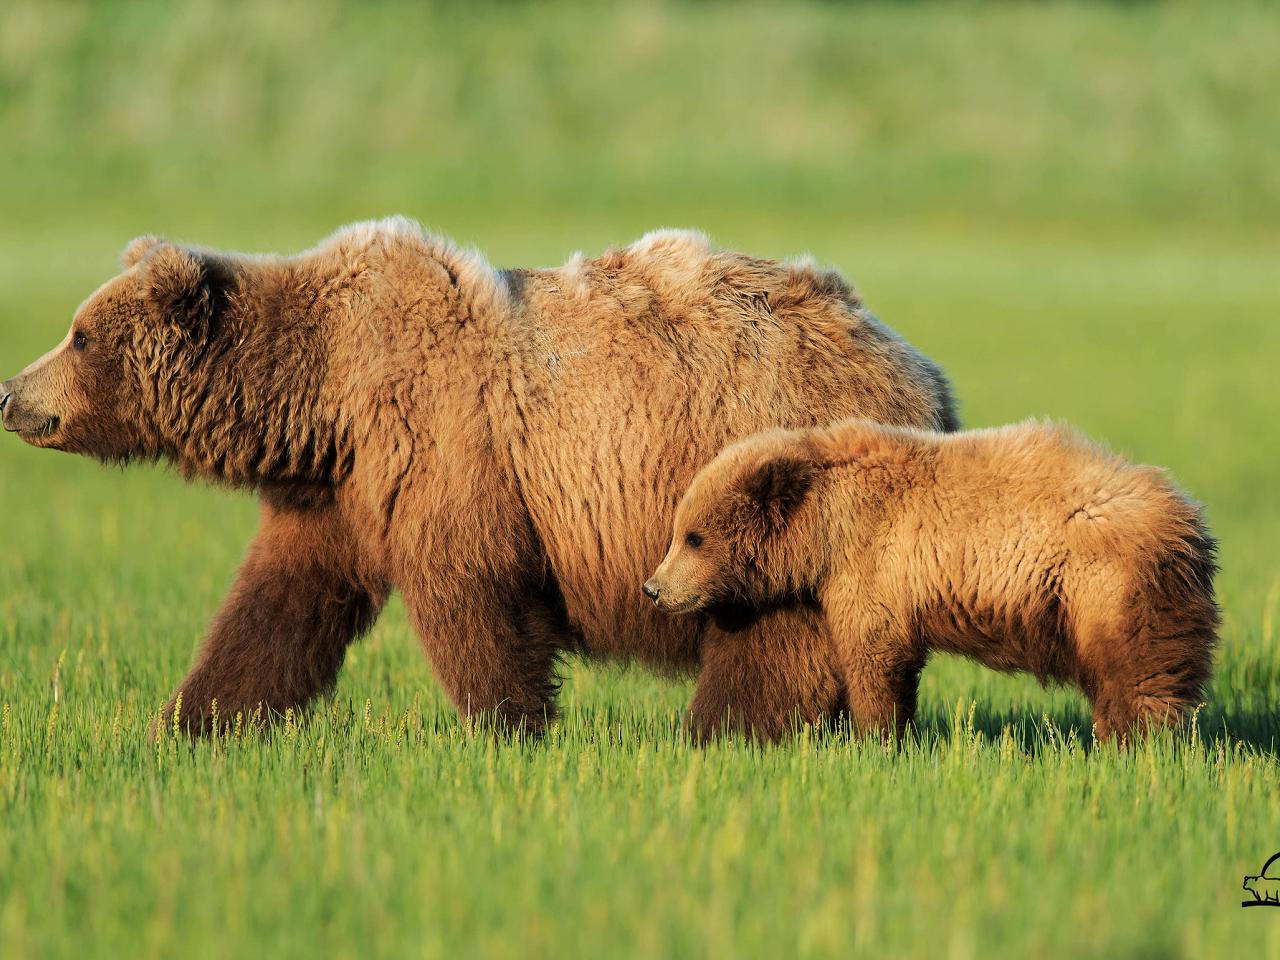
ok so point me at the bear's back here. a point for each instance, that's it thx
(674, 280)
(1040, 489)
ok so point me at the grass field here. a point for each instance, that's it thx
(1072, 208)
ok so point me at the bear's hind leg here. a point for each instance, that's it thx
(1121, 708)
(771, 676)
(1146, 669)
(495, 653)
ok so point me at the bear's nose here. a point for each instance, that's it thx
(651, 590)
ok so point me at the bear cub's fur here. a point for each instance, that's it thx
(1026, 548)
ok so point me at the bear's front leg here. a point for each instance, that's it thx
(770, 677)
(493, 646)
(283, 631)
(882, 675)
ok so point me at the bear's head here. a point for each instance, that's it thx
(216, 362)
(738, 537)
(92, 393)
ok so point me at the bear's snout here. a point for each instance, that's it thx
(667, 599)
(7, 407)
(19, 417)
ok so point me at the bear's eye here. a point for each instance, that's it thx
(79, 341)
(693, 539)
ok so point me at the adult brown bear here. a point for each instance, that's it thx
(506, 448)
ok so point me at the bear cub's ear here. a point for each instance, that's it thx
(779, 485)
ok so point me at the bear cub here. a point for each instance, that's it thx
(1025, 548)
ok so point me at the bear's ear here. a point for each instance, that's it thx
(137, 249)
(778, 486)
(181, 285)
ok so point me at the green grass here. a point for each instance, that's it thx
(1070, 207)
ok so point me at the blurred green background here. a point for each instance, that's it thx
(1074, 208)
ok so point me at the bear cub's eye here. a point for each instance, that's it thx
(79, 341)
(693, 539)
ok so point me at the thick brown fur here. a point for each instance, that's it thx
(1026, 548)
(506, 448)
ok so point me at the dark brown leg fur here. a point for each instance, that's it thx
(1148, 668)
(283, 631)
(494, 654)
(763, 680)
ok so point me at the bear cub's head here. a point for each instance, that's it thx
(89, 394)
(738, 537)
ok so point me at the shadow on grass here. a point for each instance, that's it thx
(1256, 728)
(1251, 725)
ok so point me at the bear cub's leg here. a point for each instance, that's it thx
(883, 694)
(1145, 665)
(1142, 684)
(882, 673)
